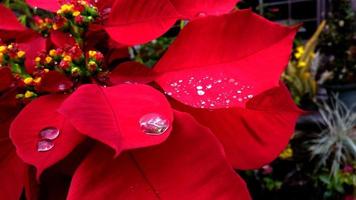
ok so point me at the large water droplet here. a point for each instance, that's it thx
(44, 145)
(49, 133)
(154, 124)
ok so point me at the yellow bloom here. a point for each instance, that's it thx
(302, 64)
(287, 153)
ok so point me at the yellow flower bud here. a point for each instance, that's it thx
(52, 52)
(3, 49)
(29, 94)
(21, 54)
(67, 58)
(92, 53)
(48, 59)
(37, 59)
(76, 13)
(55, 27)
(37, 80)
(28, 80)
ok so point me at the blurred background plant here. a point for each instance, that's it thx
(320, 162)
(300, 73)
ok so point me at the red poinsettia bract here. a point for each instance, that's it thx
(223, 107)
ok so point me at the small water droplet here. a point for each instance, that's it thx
(201, 14)
(49, 133)
(250, 96)
(180, 81)
(239, 92)
(154, 124)
(227, 101)
(200, 92)
(199, 87)
(44, 145)
(173, 84)
(209, 86)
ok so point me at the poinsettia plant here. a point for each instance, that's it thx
(119, 130)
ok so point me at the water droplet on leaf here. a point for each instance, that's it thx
(44, 145)
(154, 124)
(49, 133)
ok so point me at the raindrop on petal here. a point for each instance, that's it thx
(44, 145)
(200, 92)
(154, 124)
(49, 133)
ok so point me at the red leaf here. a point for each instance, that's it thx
(61, 39)
(54, 81)
(223, 61)
(132, 72)
(35, 117)
(139, 21)
(111, 115)
(50, 5)
(8, 20)
(12, 169)
(189, 165)
(32, 44)
(6, 78)
(254, 136)
(200, 8)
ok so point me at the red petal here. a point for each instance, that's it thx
(12, 169)
(6, 78)
(38, 115)
(139, 21)
(54, 81)
(8, 20)
(189, 165)
(223, 61)
(111, 115)
(131, 72)
(32, 44)
(254, 136)
(61, 39)
(50, 5)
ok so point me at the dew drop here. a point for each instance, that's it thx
(49, 133)
(250, 96)
(239, 92)
(44, 145)
(201, 14)
(200, 92)
(199, 87)
(153, 124)
(209, 86)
